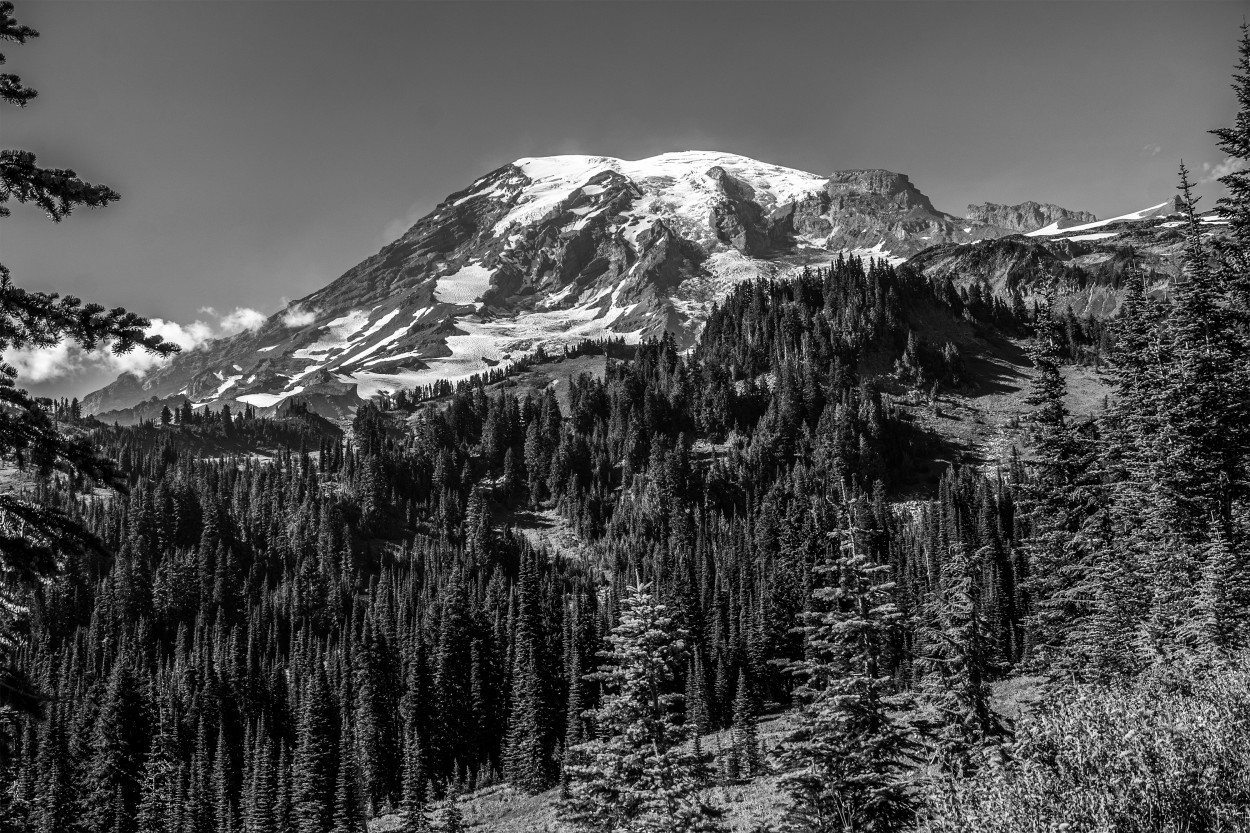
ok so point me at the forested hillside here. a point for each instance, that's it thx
(277, 625)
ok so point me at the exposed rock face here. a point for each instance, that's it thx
(1027, 216)
(550, 251)
(875, 190)
(875, 211)
(1087, 268)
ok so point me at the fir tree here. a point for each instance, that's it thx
(1056, 501)
(413, 809)
(1235, 141)
(527, 761)
(120, 739)
(746, 741)
(1217, 628)
(34, 538)
(312, 775)
(960, 662)
(349, 816)
(453, 818)
(638, 775)
(851, 751)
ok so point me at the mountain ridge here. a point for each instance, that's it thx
(551, 251)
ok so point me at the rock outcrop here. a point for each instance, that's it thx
(1027, 216)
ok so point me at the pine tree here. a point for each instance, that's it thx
(262, 800)
(452, 684)
(349, 815)
(1055, 500)
(413, 809)
(1217, 628)
(33, 537)
(638, 774)
(118, 745)
(312, 775)
(851, 750)
(223, 786)
(960, 662)
(527, 761)
(746, 740)
(54, 807)
(1202, 454)
(1235, 141)
(453, 818)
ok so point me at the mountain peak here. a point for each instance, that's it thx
(550, 251)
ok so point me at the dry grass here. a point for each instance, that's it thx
(501, 809)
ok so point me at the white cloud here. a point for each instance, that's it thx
(1230, 165)
(67, 360)
(243, 318)
(297, 316)
(37, 366)
(1152, 150)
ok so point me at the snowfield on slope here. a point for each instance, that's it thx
(1053, 228)
(675, 186)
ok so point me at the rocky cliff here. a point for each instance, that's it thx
(1027, 216)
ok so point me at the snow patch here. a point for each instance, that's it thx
(465, 286)
(268, 400)
(1054, 229)
(337, 336)
(1098, 235)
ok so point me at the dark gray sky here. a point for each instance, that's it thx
(262, 148)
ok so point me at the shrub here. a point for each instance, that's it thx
(1156, 757)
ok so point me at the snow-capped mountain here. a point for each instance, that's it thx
(551, 251)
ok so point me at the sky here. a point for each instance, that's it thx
(263, 148)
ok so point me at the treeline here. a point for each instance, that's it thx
(407, 399)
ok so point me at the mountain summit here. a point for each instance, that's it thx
(550, 251)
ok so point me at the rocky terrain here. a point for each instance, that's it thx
(1027, 216)
(552, 251)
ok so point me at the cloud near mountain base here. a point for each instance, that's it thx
(65, 360)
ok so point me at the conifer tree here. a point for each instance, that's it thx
(746, 740)
(851, 750)
(960, 662)
(453, 818)
(34, 538)
(349, 816)
(262, 800)
(312, 770)
(1056, 500)
(1235, 141)
(452, 680)
(413, 809)
(697, 711)
(638, 774)
(1218, 626)
(223, 787)
(118, 746)
(527, 761)
(54, 806)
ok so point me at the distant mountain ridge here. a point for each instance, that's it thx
(1027, 216)
(550, 251)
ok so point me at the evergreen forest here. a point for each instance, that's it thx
(219, 622)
